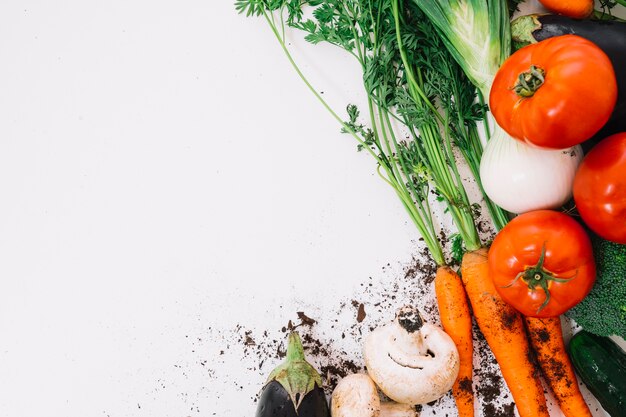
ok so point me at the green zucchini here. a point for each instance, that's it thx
(601, 365)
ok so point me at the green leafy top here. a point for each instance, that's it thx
(420, 103)
(476, 33)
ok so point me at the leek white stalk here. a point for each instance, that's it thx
(519, 177)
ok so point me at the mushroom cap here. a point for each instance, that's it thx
(355, 396)
(411, 366)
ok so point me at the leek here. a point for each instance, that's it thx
(476, 32)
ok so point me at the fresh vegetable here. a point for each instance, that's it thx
(521, 178)
(542, 263)
(294, 388)
(516, 176)
(546, 338)
(411, 361)
(601, 365)
(610, 36)
(457, 322)
(556, 93)
(413, 82)
(603, 311)
(578, 9)
(476, 32)
(600, 188)
(503, 329)
(409, 78)
(356, 396)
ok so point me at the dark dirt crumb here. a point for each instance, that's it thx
(465, 384)
(305, 320)
(543, 335)
(360, 316)
(558, 370)
(532, 358)
(509, 317)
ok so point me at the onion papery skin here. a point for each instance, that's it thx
(520, 177)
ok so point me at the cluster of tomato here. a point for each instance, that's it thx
(556, 94)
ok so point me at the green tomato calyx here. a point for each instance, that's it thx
(529, 82)
(538, 276)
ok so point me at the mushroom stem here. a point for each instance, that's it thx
(410, 319)
(391, 409)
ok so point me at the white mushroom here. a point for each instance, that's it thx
(412, 362)
(356, 396)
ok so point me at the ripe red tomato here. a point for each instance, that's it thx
(555, 93)
(542, 263)
(600, 188)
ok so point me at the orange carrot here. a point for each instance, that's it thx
(457, 322)
(503, 329)
(546, 338)
(576, 9)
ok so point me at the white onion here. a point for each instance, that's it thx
(519, 177)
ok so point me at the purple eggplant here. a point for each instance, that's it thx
(294, 388)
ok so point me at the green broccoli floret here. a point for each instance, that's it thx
(603, 311)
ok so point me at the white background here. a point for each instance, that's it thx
(164, 178)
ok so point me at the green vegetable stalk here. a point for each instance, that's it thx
(410, 81)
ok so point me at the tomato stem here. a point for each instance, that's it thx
(537, 276)
(529, 82)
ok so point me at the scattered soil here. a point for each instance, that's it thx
(490, 387)
(375, 302)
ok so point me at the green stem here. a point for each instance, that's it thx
(602, 15)
(468, 230)
(413, 85)
(313, 90)
(426, 226)
(295, 351)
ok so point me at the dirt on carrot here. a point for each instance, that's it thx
(546, 338)
(504, 331)
(457, 322)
